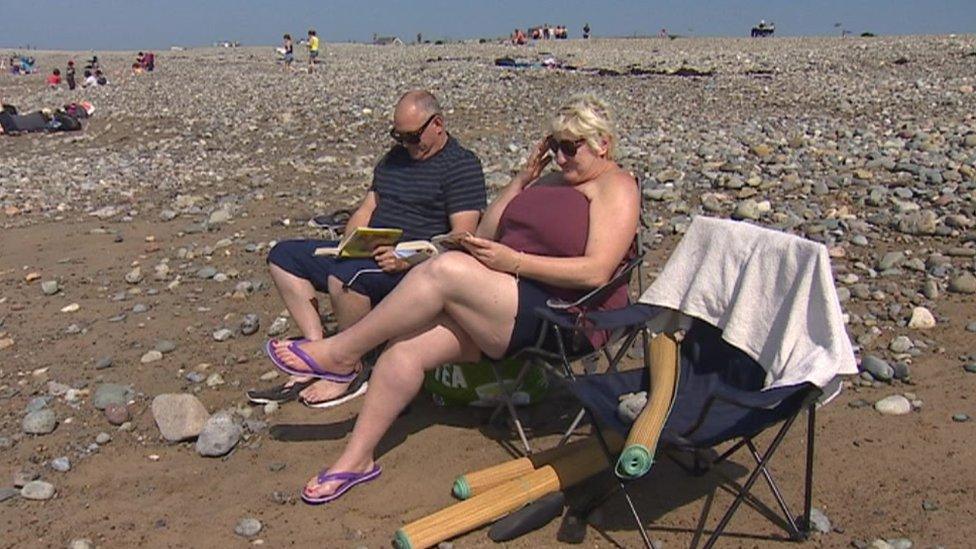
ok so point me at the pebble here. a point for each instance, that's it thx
(7, 493)
(112, 393)
(970, 368)
(960, 418)
(40, 422)
(165, 346)
(73, 307)
(278, 327)
(81, 544)
(248, 527)
(37, 490)
(219, 435)
(61, 464)
(819, 521)
(901, 344)
(894, 405)
(104, 362)
(222, 334)
(963, 284)
(270, 408)
(117, 414)
(877, 367)
(151, 356)
(250, 324)
(50, 287)
(134, 276)
(922, 319)
(206, 273)
(179, 416)
(103, 438)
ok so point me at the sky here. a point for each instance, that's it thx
(159, 24)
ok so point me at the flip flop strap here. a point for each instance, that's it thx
(326, 476)
(308, 360)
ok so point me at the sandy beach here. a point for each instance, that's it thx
(154, 222)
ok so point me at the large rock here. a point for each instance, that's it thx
(219, 435)
(963, 284)
(179, 416)
(894, 405)
(37, 490)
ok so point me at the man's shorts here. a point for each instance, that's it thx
(313, 54)
(297, 258)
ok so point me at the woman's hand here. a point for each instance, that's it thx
(495, 256)
(537, 161)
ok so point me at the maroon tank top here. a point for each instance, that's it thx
(554, 221)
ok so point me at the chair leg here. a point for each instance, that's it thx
(808, 482)
(764, 460)
(510, 405)
(774, 488)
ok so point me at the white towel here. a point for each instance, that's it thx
(772, 294)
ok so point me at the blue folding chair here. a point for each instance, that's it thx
(718, 398)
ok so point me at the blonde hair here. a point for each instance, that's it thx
(586, 116)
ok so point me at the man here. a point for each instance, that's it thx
(427, 184)
(313, 49)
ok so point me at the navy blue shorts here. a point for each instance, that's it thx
(525, 332)
(297, 258)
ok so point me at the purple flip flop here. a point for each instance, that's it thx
(349, 480)
(315, 370)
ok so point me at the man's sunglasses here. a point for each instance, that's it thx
(411, 138)
(568, 147)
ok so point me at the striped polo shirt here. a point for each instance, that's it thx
(418, 196)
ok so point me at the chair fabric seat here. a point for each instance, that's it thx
(719, 395)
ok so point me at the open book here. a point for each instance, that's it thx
(360, 244)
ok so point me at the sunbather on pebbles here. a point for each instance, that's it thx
(554, 235)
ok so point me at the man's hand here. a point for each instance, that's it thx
(388, 261)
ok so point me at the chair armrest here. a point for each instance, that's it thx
(599, 294)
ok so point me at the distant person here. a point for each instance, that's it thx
(137, 68)
(54, 79)
(663, 33)
(100, 78)
(313, 49)
(92, 64)
(89, 80)
(69, 75)
(289, 47)
(518, 37)
(149, 61)
(586, 31)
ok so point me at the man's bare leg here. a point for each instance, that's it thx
(349, 307)
(303, 305)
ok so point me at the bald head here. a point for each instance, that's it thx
(417, 104)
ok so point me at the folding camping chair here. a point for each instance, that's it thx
(724, 393)
(558, 344)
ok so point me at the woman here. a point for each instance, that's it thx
(559, 235)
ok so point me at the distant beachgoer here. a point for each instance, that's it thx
(54, 79)
(100, 78)
(289, 51)
(137, 68)
(313, 49)
(92, 63)
(149, 61)
(69, 75)
(89, 80)
(586, 31)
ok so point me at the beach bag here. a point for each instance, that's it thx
(475, 384)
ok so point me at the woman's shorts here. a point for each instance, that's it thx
(298, 257)
(289, 58)
(525, 332)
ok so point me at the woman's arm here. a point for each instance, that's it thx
(538, 160)
(614, 211)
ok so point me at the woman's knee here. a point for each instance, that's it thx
(452, 267)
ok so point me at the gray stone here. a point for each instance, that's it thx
(179, 416)
(222, 334)
(104, 362)
(139, 308)
(931, 289)
(61, 464)
(206, 273)
(250, 324)
(219, 216)
(50, 287)
(37, 490)
(963, 284)
(901, 543)
(103, 438)
(40, 422)
(38, 403)
(894, 405)
(900, 344)
(890, 260)
(960, 418)
(747, 209)
(278, 327)
(81, 544)
(112, 393)
(219, 436)
(7, 493)
(877, 367)
(165, 346)
(902, 370)
(819, 521)
(134, 276)
(970, 368)
(971, 327)
(248, 527)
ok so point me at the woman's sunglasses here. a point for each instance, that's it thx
(568, 147)
(411, 138)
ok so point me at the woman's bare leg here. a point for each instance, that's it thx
(397, 377)
(483, 302)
